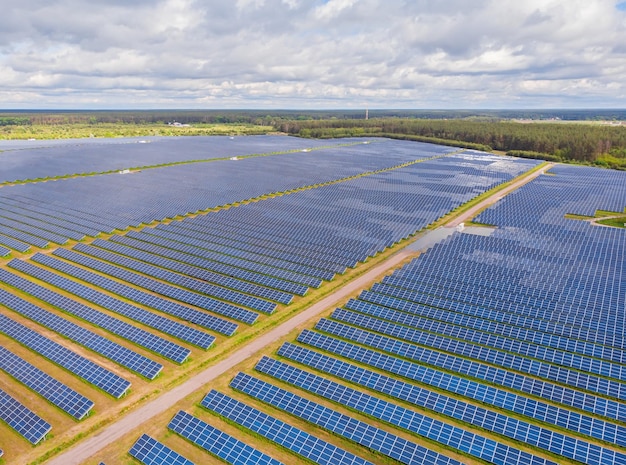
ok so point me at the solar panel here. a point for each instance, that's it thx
(247, 264)
(149, 451)
(375, 438)
(22, 420)
(56, 392)
(71, 361)
(470, 414)
(294, 439)
(174, 278)
(137, 335)
(99, 344)
(218, 443)
(463, 386)
(254, 277)
(147, 298)
(196, 272)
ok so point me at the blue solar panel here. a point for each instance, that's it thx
(174, 278)
(56, 392)
(376, 438)
(26, 238)
(294, 439)
(218, 443)
(196, 234)
(149, 451)
(22, 420)
(468, 413)
(196, 272)
(252, 276)
(482, 392)
(246, 264)
(40, 223)
(14, 244)
(99, 344)
(137, 335)
(556, 356)
(146, 298)
(34, 231)
(71, 361)
(501, 358)
(190, 238)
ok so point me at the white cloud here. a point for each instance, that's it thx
(294, 53)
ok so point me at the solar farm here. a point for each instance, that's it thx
(131, 267)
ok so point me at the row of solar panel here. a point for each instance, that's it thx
(499, 358)
(256, 278)
(221, 258)
(507, 312)
(82, 367)
(420, 424)
(195, 272)
(177, 279)
(470, 414)
(512, 400)
(56, 392)
(483, 319)
(93, 341)
(131, 293)
(114, 325)
(387, 311)
(474, 270)
(22, 419)
(201, 242)
(477, 368)
(185, 230)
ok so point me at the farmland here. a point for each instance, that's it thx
(151, 260)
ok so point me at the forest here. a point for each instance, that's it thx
(592, 143)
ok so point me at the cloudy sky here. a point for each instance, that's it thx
(312, 54)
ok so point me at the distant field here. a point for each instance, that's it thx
(101, 130)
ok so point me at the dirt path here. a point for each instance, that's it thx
(89, 447)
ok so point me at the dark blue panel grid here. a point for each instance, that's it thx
(223, 445)
(133, 333)
(149, 451)
(71, 361)
(56, 392)
(22, 419)
(300, 442)
(375, 438)
(99, 344)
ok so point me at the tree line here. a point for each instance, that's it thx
(602, 144)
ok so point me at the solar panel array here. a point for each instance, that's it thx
(22, 419)
(534, 354)
(133, 333)
(183, 332)
(218, 443)
(149, 451)
(56, 392)
(540, 341)
(203, 287)
(235, 263)
(99, 344)
(98, 376)
(294, 439)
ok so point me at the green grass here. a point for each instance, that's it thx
(619, 222)
(100, 130)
